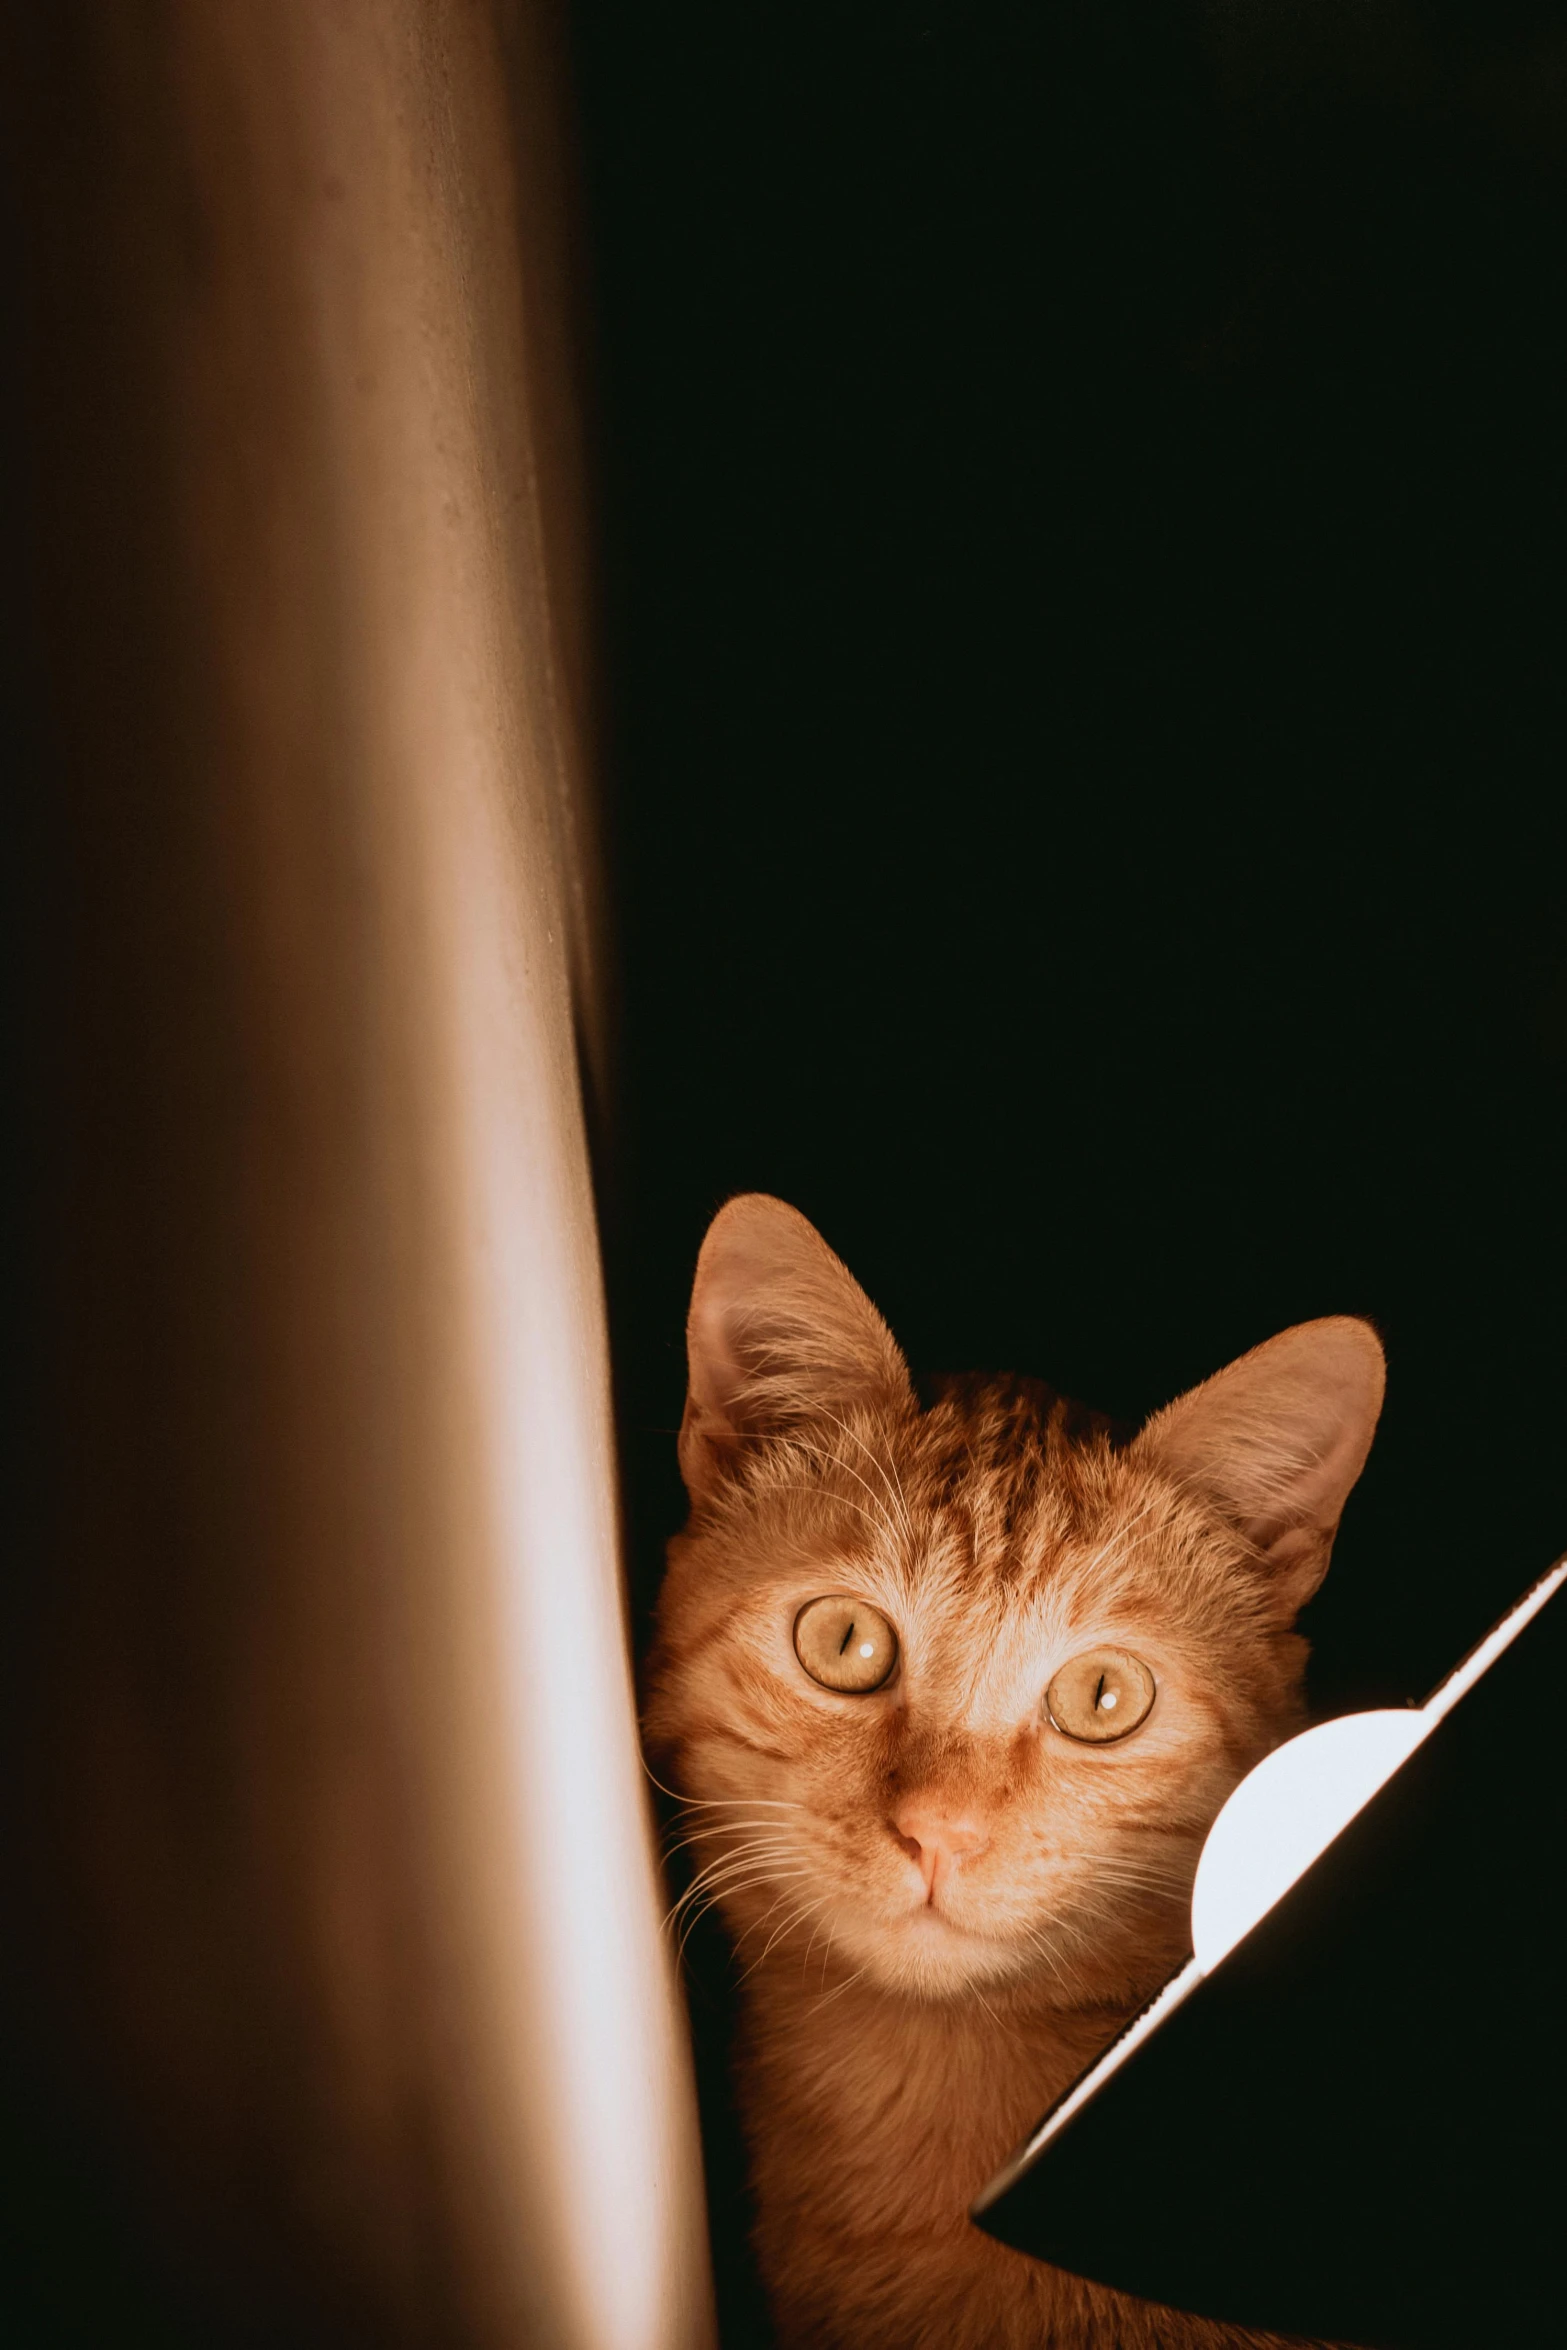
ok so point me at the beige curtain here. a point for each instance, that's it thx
(336, 1920)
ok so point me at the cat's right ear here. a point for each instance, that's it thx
(779, 1334)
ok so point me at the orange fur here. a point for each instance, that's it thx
(898, 2040)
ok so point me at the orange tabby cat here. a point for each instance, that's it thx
(953, 1695)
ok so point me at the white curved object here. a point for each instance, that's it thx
(1286, 1812)
(1289, 1809)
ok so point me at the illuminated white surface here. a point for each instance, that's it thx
(1286, 1812)
(1289, 1809)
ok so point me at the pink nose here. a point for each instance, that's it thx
(936, 1839)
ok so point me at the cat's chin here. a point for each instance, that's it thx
(926, 1956)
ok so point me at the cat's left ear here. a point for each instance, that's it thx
(1277, 1440)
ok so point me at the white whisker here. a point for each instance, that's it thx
(837, 1991)
(796, 1917)
(746, 1886)
(725, 1828)
(718, 1871)
(720, 1802)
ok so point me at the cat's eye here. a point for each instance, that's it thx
(1101, 1695)
(845, 1645)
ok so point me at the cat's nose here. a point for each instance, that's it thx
(937, 1839)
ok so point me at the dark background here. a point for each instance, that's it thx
(1081, 542)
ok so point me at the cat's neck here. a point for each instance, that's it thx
(918, 2100)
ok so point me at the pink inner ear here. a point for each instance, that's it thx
(717, 1366)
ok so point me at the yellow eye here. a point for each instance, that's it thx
(845, 1645)
(1101, 1695)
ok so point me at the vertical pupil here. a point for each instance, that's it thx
(848, 1636)
(1099, 1693)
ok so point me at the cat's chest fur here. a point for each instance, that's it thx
(872, 2123)
(875, 2112)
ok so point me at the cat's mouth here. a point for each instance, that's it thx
(925, 1948)
(929, 1919)
(941, 1898)
(933, 1915)
(959, 1919)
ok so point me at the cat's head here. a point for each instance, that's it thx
(956, 1692)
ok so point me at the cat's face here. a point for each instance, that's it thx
(958, 1823)
(955, 1694)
